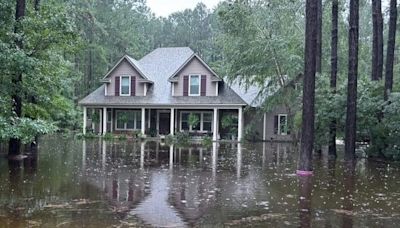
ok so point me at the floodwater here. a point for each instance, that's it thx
(95, 183)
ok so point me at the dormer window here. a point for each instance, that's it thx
(125, 86)
(194, 85)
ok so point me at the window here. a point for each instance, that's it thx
(282, 124)
(207, 121)
(196, 127)
(125, 86)
(194, 85)
(204, 125)
(184, 121)
(109, 116)
(128, 120)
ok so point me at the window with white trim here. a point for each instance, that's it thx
(109, 116)
(194, 85)
(128, 120)
(204, 125)
(207, 121)
(125, 86)
(282, 124)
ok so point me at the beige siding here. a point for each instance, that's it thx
(195, 67)
(124, 68)
(256, 120)
(270, 125)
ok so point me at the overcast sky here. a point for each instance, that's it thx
(166, 7)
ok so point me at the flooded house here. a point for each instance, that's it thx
(161, 93)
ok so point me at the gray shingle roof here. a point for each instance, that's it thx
(254, 94)
(158, 66)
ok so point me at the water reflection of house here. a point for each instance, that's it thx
(164, 185)
(193, 194)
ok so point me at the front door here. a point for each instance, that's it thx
(164, 123)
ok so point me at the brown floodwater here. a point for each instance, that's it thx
(95, 183)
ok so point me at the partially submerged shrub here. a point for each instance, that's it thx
(108, 136)
(207, 141)
(122, 137)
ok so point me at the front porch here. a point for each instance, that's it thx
(162, 121)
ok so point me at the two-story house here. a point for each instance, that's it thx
(159, 92)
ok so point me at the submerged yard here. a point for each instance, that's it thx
(97, 183)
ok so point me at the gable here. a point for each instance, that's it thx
(126, 65)
(195, 65)
(124, 68)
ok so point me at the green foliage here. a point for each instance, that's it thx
(262, 42)
(122, 117)
(206, 141)
(108, 136)
(170, 139)
(193, 120)
(122, 137)
(152, 132)
(229, 122)
(180, 138)
(377, 121)
(90, 135)
(24, 129)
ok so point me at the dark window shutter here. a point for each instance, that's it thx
(186, 85)
(117, 85)
(203, 85)
(133, 86)
(276, 124)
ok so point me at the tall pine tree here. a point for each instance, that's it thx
(351, 112)
(334, 62)
(390, 49)
(307, 133)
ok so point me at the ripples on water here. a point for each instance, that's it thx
(95, 183)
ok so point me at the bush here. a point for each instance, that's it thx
(207, 141)
(182, 138)
(152, 132)
(122, 137)
(108, 136)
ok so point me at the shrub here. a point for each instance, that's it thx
(108, 136)
(207, 141)
(122, 137)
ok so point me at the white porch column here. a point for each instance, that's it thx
(112, 120)
(171, 157)
(214, 160)
(149, 118)
(84, 120)
(265, 127)
(239, 160)
(172, 120)
(240, 123)
(141, 155)
(100, 120)
(215, 125)
(104, 120)
(143, 127)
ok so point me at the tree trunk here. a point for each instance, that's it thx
(334, 60)
(350, 129)
(14, 143)
(319, 37)
(307, 135)
(37, 5)
(390, 49)
(377, 40)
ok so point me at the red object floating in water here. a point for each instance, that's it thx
(304, 173)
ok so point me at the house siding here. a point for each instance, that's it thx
(125, 68)
(255, 119)
(195, 67)
(270, 125)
